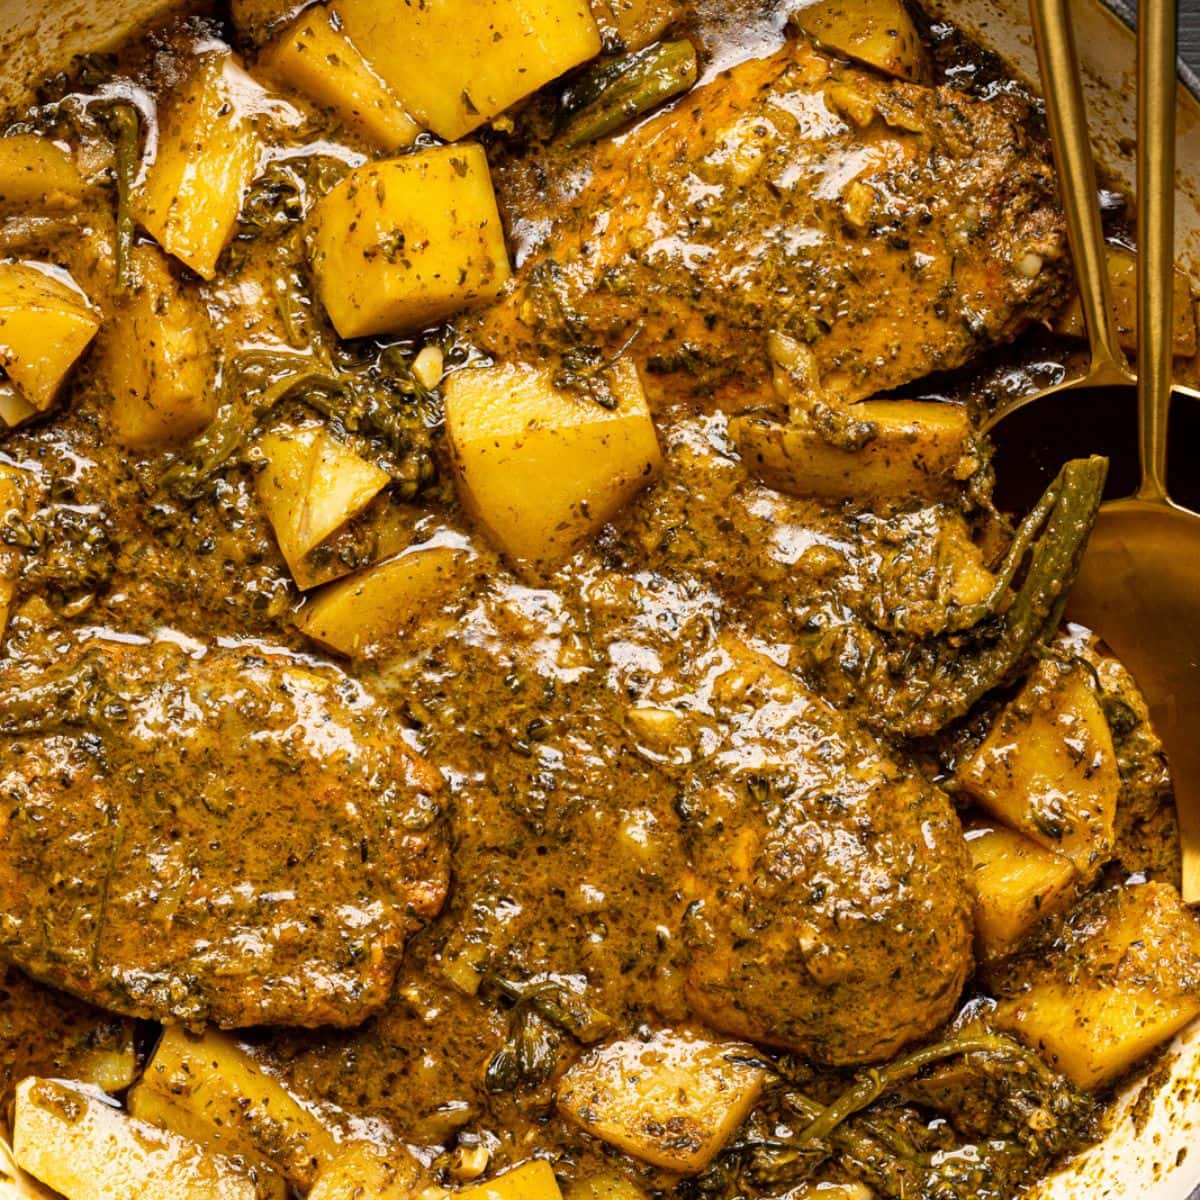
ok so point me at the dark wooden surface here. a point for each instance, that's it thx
(1189, 34)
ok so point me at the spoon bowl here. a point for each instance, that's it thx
(1139, 587)
(1139, 583)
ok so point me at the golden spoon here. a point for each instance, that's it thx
(1067, 117)
(1140, 583)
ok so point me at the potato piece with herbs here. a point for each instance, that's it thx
(80, 1144)
(1122, 978)
(405, 243)
(15, 1184)
(879, 33)
(190, 196)
(315, 56)
(14, 408)
(368, 1171)
(1048, 767)
(357, 615)
(157, 359)
(36, 171)
(223, 1090)
(1122, 274)
(155, 1108)
(673, 1101)
(456, 64)
(310, 486)
(542, 469)
(1017, 883)
(45, 325)
(908, 448)
(635, 23)
(532, 1180)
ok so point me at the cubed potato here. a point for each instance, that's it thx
(1124, 978)
(502, 51)
(673, 1101)
(879, 33)
(317, 58)
(37, 172)
(920, 449)
(405, 243)
(543, 469)
(533, 1180)
(635, 23)
(1017, 883)
(367, 1171)
(310, 486)
(15, 1184)
(1122, 274)
(157, 359)
(45, 325)
(222, 1089)
(84, 1147)
(358, 615)
(206, 158)
(154, 1108)
(14, 408)
(1048, 768)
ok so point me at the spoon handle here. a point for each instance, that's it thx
(1066, 113)
(1156, 236)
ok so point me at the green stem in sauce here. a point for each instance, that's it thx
(616, 93)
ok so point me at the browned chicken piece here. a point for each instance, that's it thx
(833, 911)
(234, 836)
(896, 229)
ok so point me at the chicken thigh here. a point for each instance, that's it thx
(231, 835)
(833, 905)
(896, 229)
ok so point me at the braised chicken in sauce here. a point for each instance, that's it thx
(513, 679)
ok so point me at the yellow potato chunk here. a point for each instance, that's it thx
(673, 1101)
(14, 408)
(14, 1183)
(532, 1180)
(635, 23)
(1017, 883)
(1122, 274)
(879, 33)
(310, 486)
(456, 64)
(154, 1108)
(356, 616)
(920, 448)
(87, 1149)
(365, 1171)
(207, 156)
(45, 325)
(1048, 767)
(157, 358)
(317, 58)
(405, 243)
(228, 1098)
(543, 469)
(35, 171)
(1124, 982)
